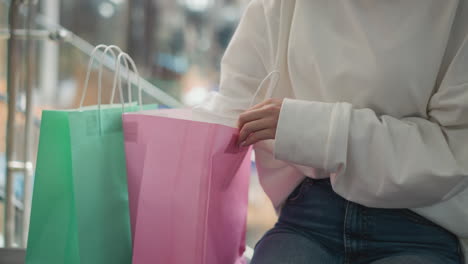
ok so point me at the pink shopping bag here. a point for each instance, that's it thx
(188, 188)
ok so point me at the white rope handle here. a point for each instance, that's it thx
(271, 87)
(88, 72)
(107, 49)
(269, 93)
(110, 49)
(127, 58)
(118, 76)
(93, 55)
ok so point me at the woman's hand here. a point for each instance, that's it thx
(259, 122)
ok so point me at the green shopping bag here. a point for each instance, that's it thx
(80, 212)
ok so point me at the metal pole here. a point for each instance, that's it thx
(11, 89)
(40, 34)
(28, 170)
(49, 56)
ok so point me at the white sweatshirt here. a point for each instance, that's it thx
(377, 99)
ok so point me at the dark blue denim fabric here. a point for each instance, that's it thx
(318, 226)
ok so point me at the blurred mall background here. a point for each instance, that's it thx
(177, 45)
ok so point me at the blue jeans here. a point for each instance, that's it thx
(318, 226)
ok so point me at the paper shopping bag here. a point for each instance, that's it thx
(80, 202)
(189, 184)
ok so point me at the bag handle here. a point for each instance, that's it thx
(93, 55)
(287, 11)
(127, 59)
(114, 85)
(270, 88)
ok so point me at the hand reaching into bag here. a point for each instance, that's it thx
(259, 122)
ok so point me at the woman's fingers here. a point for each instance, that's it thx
(252, 127)
(259, 136)
(259, 122)
(249, 116)
(262, 104)
(262, 110)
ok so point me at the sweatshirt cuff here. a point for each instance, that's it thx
(313, 134)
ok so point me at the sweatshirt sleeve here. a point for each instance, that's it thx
(379, 160)
(243, 65)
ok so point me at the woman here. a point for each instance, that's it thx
(374, 120)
